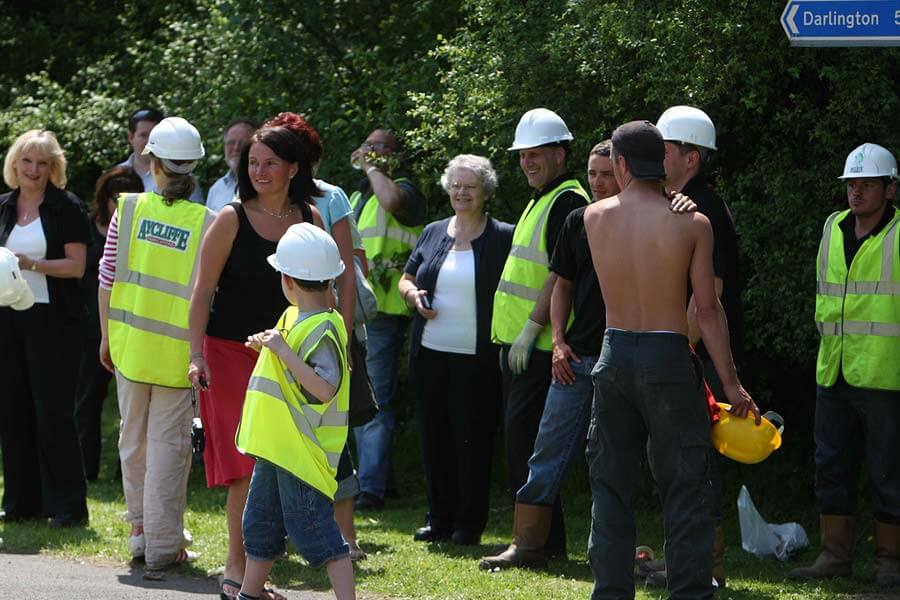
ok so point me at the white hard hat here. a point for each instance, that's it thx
(174, 138)
(870, 160)
(688, 125)
(306, 252)
(14, 290)
(540, 126)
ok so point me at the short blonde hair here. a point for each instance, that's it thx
(43, 142)
(479, 165)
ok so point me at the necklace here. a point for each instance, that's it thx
(27, 216)
(284, 215)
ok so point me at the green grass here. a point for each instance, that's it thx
(401, 568)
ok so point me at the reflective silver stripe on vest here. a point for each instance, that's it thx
(823, 288)
(532, 252)
(301, 422)
(859, 328)
(826, 245)
(518, 290)
(124, 274)
(884, 287)
(887, 253)
(151, 325)
(381, 229)
(860, 288)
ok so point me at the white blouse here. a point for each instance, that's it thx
(30, 241)
(454, 327)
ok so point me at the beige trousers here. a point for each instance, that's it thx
(155, 449)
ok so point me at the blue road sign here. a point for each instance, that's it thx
(842, 22)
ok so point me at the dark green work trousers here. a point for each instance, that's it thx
(650, 384)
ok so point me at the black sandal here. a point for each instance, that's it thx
(223, 595)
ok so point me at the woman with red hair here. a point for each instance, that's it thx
(337, 218)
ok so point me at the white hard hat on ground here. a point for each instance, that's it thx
(174, 138)
(539, 127)
(14, 290)
(306, 252)
(870, 160)
(687, 125)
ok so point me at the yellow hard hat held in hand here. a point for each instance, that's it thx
(743, 440)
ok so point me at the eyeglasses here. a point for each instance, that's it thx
(457, 187)
(379, 146)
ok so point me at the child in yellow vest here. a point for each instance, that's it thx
(294, 420)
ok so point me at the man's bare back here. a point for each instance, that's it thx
(643, 254)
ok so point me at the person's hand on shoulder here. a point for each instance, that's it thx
(681, 204)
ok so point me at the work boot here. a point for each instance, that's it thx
(531, 525)
(887, 555)
(835, 559)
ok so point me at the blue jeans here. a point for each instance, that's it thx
(279, 504)
(373, 440)
(561, 435)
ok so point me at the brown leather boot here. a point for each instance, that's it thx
(531, 525)
(887, 555)
(835, 559)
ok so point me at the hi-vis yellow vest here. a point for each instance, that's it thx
(386, 241)
(858, 309)
(280, 425)
(526, 269)
(156, 266)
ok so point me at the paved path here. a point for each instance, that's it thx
(38, 577)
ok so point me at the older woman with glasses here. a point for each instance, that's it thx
(450, 280)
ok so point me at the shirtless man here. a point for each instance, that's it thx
(647, 380)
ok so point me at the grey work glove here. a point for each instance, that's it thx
(520, 351)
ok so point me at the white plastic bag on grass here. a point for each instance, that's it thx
(764, 539)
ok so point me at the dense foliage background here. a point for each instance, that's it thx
(454, 76)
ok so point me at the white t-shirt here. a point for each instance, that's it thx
(454, 327)
(30, 241)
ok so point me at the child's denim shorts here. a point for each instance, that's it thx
(279, 504)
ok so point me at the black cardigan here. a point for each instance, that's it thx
(490, 250)
(64, 221)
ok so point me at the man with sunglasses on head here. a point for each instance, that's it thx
(390, 214)
(139, 125)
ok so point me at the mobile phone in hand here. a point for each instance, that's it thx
(425, 302)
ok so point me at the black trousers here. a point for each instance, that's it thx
(93, 383)
(649, 384)
(457, 410)
(42, 468)
(524, 397)
(854, 426)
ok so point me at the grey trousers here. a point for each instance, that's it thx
(649, 384)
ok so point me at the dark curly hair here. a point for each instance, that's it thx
(115, 181)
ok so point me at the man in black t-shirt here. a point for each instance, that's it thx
(689, 135)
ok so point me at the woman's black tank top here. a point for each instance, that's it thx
(248, 298)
